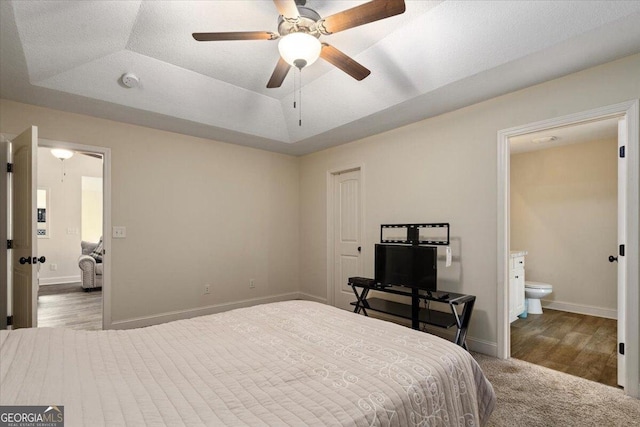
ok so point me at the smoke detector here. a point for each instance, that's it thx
(544, 139)
(130, 80)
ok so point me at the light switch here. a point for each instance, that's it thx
(119, 232)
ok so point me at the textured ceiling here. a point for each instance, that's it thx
(435, 57)
(598, 130)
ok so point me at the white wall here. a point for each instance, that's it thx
(197, 212)
(564, 213)
(444, 169)
(62, 246)
(91, 209)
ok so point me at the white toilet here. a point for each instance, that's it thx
(534, 292)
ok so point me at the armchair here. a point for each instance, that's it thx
(91, 270)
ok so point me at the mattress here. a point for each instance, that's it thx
(294, 363)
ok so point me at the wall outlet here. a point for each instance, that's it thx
(252, 283)
(119, 232)
(53, 267)
(207, 289)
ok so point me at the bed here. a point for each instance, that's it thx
(294, 363)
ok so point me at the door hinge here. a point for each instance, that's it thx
(9, 320)
(621, 251)
(622, 151)
(621, 348)
(9, 244)
(9, 167)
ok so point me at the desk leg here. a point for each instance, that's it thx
(415, 309)
(463, 323)
(361, 300)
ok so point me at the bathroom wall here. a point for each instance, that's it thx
(564, 213)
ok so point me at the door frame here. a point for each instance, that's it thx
(630, 110)
(4, 233)
(106, 215)
(331, 173)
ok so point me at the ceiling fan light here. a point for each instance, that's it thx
(297, 47)
(61, 153)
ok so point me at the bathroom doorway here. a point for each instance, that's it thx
(627, 325)
(563, 220)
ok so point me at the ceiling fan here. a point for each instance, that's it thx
(299, 30)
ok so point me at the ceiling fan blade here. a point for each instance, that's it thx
(282, 68)
(344, 62)
(287, 8)
(360, 15)
(237, 35)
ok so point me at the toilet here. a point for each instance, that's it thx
(534, 292)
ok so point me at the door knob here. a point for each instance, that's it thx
(24, 260)
(359, 248)
(41, 260)
(613, 258)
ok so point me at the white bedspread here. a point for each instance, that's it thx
(293, 363)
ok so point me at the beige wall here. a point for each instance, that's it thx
(444, 169)
(62, 247)
(197, 211)
(564, 213)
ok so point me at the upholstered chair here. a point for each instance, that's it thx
(91, 269)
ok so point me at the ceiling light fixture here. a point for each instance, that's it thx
(299, 49)
(61, 153)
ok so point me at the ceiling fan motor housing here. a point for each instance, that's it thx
(306, 23)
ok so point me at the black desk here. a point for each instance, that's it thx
(413, 311)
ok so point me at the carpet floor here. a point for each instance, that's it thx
(531, 395)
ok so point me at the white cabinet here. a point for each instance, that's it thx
(516, 285)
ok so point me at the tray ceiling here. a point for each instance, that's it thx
(435, 57)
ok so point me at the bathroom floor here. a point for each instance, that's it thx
(584, 346)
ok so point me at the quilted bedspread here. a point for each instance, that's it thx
(294, 363)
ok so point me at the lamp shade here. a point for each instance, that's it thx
(297, 47)
(61, 153)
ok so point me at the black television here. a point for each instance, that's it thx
(410, 266)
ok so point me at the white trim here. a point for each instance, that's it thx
(58, 280)
(589, 310)
(631, 111)
(106, 216)
(482, 346)
(330, 229)
(140, 322)
(309, 297)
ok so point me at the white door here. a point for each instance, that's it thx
(347, 239)
(622, 230)
(25, 287)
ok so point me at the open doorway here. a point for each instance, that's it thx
(69, 231)
(564, 243)
(70, 225)
(628, 285)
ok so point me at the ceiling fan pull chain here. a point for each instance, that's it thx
(294, 90)
(300, 98)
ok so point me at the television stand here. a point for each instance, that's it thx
(413, 311)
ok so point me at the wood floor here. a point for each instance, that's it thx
(584, 346)
(69, 306)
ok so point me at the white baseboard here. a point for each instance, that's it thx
(482, 346)
(309, 297)
(581, 309)
(140, 322)
(42, 281)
